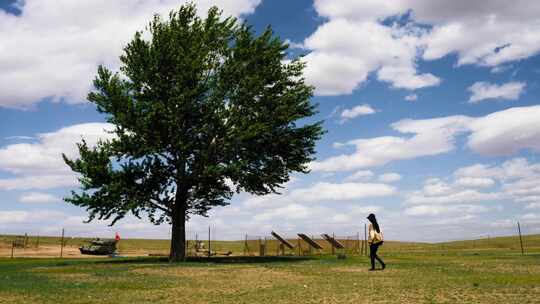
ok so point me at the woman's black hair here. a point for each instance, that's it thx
(373, 220)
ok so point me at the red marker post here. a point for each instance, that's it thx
(117, 239)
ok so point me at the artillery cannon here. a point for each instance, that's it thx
(99, 247)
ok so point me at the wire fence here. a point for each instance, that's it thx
(203, 244)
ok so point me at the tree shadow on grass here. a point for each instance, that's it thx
(209, 260)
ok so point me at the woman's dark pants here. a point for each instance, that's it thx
(373, 254)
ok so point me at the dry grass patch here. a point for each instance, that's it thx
(225, 277)
(366, 271)
(12, 298)
(516, 268)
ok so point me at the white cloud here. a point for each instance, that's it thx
(531, 216)
(354, 42)
(506, 223)
(406, 77)
(356, 111)
(345, 51)
(389, 177)
(411, 97)
(500, 69)
(488, 33)
(511, 169)
(289, 212)
(526, 199)
(361, 175)
(57, 45)
(436, 187)
(447, 210)
(520, 179)
(533, 206)
(49, 222)
(19, 138)
(338, 145)
(45, 155)
(460, 197)
(431, 137)
(320, 192)
(38, 182)
(294, 218)
(475, 182)
(294, 45)
(486, 136)
(462, 191)
(520, 130)
(40, 165)
(10, 217)
(358, 10)
(37, 197)
(364, 210)
(22, 216)
(524, 188)
(323, 191)
(484, 90)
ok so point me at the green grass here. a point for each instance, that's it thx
(450, 276)
(473, 271)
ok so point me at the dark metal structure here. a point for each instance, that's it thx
(99, 247)
(335, 243)
(282, 240)
(310, 241)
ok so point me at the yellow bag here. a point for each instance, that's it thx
(377, 238)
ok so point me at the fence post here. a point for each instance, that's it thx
(358, 242)
(520, 240)
(62, 244)
(365, 239)
(362, 244)
(37, 242)
(245, 246)
(186, 245)
(25, 240)
(196, 243)
(12, 247)
(209, 240)
(334, 237)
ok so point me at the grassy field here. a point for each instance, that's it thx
(455, 272)
(143, 247)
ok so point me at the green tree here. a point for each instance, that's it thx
(202, 108)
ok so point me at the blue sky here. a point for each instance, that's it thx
(431, 110)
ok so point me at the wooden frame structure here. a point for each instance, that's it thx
(333, 242)
(311, 242)
(283, 242)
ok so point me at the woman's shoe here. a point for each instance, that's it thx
(371, 269)
(383, 266)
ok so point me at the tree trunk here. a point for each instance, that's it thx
(178, 235)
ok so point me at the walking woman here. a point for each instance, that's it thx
(375, 240)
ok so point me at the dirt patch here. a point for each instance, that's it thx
(52, 251)
(42, 252)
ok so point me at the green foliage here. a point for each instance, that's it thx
(198, 106)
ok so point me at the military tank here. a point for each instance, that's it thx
(99, 247)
